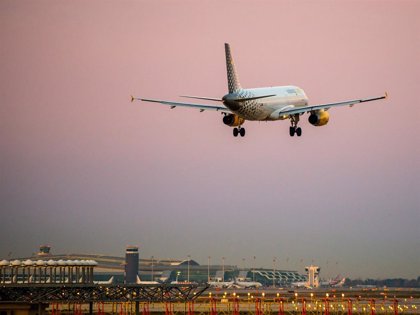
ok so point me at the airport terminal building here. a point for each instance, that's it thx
(125, 269)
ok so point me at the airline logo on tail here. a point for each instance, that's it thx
(232, 77)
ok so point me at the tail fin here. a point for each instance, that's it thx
(233, 81)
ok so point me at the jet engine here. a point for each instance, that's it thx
(319, 117)
(233, 120)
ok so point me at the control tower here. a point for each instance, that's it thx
(44, 250)
(313, 276)
(131, 264)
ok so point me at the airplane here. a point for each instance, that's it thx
(262, 104)
(182, 282)
(109, 281)
(221, 284)
(247, 284)
(138, 281)
(336, 282)
(339, 284)
(301, 284)
(234, 284)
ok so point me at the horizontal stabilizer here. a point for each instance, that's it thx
(253, 98)
(203, 98)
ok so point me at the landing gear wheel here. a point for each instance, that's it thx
(292, 131)
(235, 132)
(242, 132)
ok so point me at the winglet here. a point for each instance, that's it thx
(386, 94)
(132, 98)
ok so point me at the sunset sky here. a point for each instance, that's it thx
(86, 171)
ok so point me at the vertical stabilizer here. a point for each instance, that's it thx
(233, 80)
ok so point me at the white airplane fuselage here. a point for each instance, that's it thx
(221, 284)
(248, 284)
(265, 108)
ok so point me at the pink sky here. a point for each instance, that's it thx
(87, 171)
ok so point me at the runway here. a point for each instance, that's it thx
(272, 301)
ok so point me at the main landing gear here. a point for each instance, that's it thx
(239, 131)
(294, 129)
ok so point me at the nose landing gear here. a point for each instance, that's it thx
(239, 131)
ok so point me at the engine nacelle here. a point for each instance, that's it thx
(233, 120)
(319, 118)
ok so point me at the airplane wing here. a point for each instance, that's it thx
(175, 104)
(351, 103)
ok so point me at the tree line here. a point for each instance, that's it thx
(395, 282)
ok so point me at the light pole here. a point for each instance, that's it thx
(208, 269)
(223, 269)
(188, 273)
(253, 272)
(152, 268)
(274, 271)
